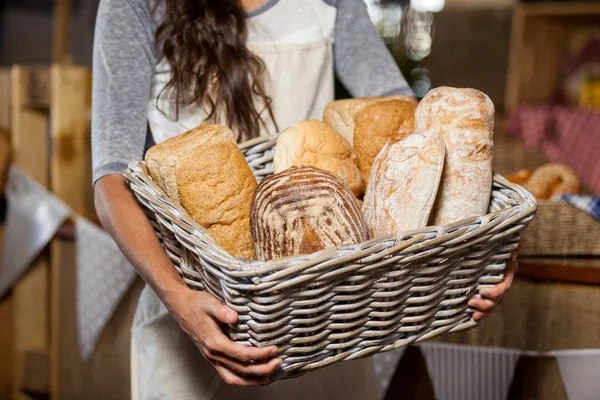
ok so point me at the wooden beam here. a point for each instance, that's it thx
(61, 32)
(561, 9)
(30, 294)
(71, 182)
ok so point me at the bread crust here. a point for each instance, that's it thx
(315, 144)
(303, 210)
(464, 119)
(378, 123)
(404, 183)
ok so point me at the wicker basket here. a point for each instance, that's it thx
(353, 301)
(562, 230)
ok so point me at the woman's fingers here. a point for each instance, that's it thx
(245, 369)
(232, 378)
(483, 305)
(496, 292)
(214, 308)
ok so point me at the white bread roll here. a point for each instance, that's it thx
(315, 144)
(341, 114)
(303, 210)
(378, 123)
(163, 158)
(216, 186)
(404, 183)
(464, 119)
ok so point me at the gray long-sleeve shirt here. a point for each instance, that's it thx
(125, 59)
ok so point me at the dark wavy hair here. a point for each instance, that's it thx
(204, 42)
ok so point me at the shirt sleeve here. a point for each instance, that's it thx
(123, 69)
(362, 61)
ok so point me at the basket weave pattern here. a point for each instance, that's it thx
(351, 302)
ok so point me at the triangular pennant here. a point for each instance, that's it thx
(385, 365)
(34, 216)
(103, 278)
(469, 372)
(579, 370)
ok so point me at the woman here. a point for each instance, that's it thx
(255, 65)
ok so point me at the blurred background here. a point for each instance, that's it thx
(67, 297)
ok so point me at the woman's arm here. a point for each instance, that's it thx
(124, 62)
(362, 61)
(198, 313)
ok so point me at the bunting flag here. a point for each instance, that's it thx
(580, 372)
(385, 364)
(103, 278)
(468, 372)
(34, 215)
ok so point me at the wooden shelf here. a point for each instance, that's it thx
(543, 35)
(560, 9)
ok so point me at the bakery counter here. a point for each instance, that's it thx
(541, 314)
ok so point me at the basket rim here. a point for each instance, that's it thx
(524, 204)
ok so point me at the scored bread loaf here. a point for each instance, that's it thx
(404, 183)
(163, 158)
(464, 119)
(315, 144)
(216, 186)
(378, 123)
(303, 210)
(341, 114)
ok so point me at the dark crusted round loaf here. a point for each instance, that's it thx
(303, 210)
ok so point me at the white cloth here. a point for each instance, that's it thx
(580, 374)
(33, 217)
(103, 277)
(165, 363)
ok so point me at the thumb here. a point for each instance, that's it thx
(216, 309)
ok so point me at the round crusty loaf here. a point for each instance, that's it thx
(303, 210)
(404, 183)
(378, 123)
(464, 119)
(551, 180)
(315, 144)
(341, 114)
(216, 186)
(163, 158)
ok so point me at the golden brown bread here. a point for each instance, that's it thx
(464, 119)
(404, 183)
(315, 144)
(303, 210)
(341, 114)
(378, 123)
(216, 186)
(163, 158)
(520, 177)
(551, 180)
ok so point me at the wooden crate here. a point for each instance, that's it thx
(50, 141)
(542, 35)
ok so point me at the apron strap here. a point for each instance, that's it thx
(318, 9)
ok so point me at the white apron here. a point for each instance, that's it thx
(165, 364)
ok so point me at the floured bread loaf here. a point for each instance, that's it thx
(404, 183)
(340, 114)
(315, 144)
(216, 186)
(378, 123)
(163, 158)
(464, 119)
(303, 210)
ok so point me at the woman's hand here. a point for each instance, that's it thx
(491, 297)
(200, 315)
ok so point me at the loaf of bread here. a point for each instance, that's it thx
(303, 210)
(464, 119)
(216, 186)
(163, 158)
(551, 180)
(315, 144)
(378, 123)
(340, 114)
(404, 183)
